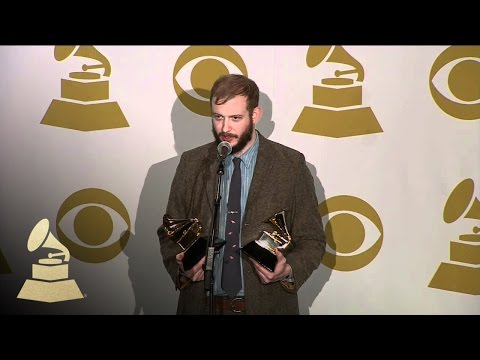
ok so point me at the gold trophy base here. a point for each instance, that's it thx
(337, 96)
(84, 117)
(337, 123)
(50, 291)
(84, 90)
(457, 278)
(261, 255)
(465, 253)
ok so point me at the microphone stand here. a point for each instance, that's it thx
(210, 250)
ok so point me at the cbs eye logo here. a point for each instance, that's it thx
(462, 76)
(346, 233)
(206, 64)
(93, 225)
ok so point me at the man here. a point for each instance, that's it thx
(272, 178)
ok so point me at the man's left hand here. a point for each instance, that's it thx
(282, 270)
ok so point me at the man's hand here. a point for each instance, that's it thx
(282, 270)
(195, 273)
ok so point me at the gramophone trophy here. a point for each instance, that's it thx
(186, 233)
(263, 250)
(462, 272)
(85, 102)
(50, 280)
(337, 110)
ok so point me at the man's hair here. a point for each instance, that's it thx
(228, 86)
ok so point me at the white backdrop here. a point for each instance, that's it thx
(404, 171)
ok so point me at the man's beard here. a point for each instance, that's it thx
(243, 139)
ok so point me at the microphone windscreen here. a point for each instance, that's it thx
(224, 149)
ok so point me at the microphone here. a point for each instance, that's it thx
(224, 149)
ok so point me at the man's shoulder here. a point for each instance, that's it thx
(199, 152)
(284, 150)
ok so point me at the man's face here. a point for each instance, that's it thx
(231, 122)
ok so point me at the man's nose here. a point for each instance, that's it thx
(225, 125)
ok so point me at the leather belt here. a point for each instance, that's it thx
(237, 304)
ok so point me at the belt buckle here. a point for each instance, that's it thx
(232, 304)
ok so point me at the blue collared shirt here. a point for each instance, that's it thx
(247, 166)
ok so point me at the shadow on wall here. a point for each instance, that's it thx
(153, 287)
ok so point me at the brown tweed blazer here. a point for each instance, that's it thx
(281, 181)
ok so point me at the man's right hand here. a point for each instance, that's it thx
(196, 273)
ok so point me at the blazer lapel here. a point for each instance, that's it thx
(262, 174)
(211, 176)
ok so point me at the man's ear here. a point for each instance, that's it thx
(256, 114)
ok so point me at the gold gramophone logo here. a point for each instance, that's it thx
(50, 282)
(462, 79)
(462, 274)
(211, 63)
(337, 109)
(347, 249)
(4, 268)
(85, 96)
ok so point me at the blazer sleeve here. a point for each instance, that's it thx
(176, 208)
(307, 228)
